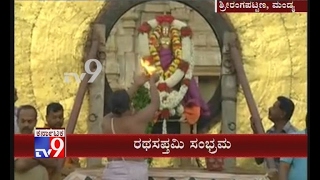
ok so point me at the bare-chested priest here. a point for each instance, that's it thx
(30, 168)
(123, 120)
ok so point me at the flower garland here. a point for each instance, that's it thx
(180, 69)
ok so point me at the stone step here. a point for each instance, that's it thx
(169, 174)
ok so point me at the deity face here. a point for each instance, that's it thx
(165, 42)
(165, 36)
(165, 29)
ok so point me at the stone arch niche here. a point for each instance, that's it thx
(121, 18)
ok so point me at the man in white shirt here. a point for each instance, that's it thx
(16, 128)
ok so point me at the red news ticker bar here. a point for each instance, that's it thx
(85, 145)
(285, 6)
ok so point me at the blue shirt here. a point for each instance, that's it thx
(298, 166)
(287, 129)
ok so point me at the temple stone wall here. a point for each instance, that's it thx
(50, 37)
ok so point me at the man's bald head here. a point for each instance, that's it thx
(27, 118)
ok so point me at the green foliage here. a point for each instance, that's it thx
(140, 100)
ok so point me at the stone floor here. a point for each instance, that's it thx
(175, 174)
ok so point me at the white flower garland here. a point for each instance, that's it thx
(172, 100)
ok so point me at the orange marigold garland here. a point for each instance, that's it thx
(154, 48)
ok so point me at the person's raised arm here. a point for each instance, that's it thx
(132, 90)
(24, 164)
(138, 81)
(147, 114)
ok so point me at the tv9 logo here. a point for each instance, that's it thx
(87, 67)
(49, 143)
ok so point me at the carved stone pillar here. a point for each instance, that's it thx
(229, 96)
(96, 94)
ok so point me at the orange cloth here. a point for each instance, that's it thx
(192, 114)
